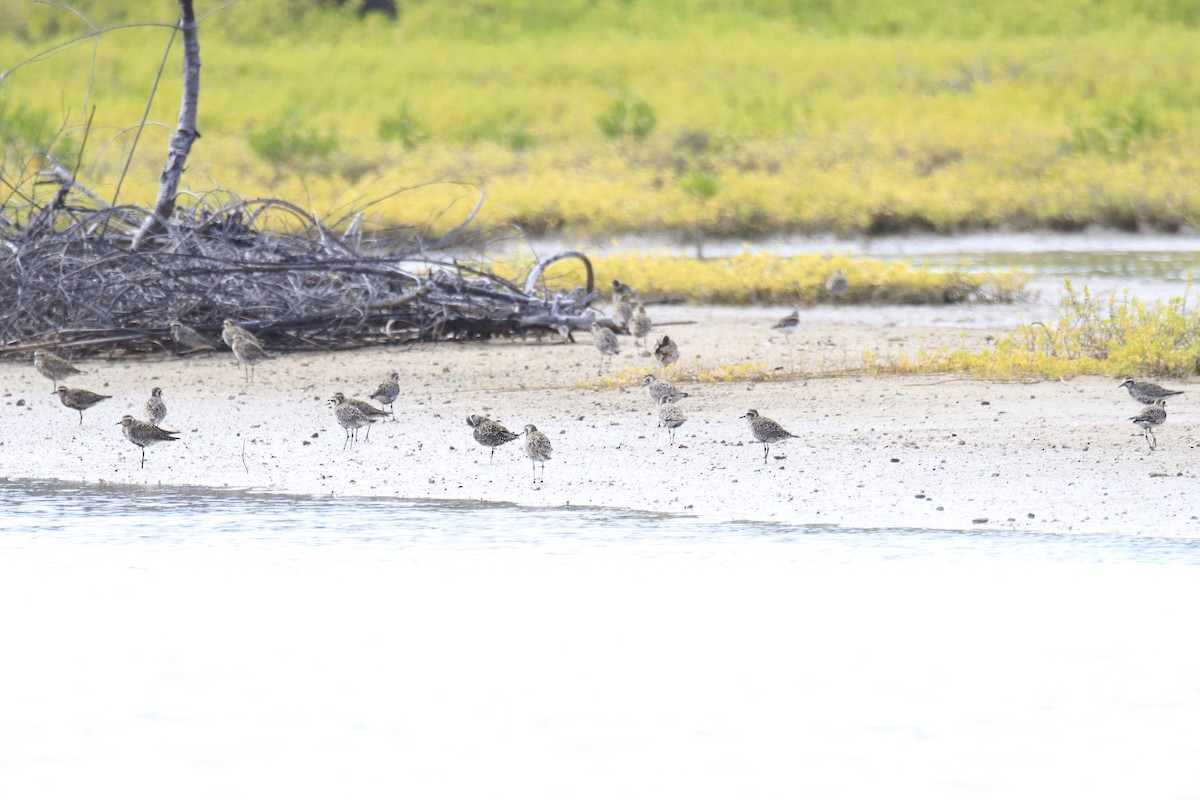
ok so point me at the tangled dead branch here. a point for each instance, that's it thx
(70, 278)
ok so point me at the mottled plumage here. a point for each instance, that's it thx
(79, 399)
(249, 354)
(658, 389)
(639, 326)
(1146, 393)
(366, 409)
(606, 343)
(143, 434)
(1151, 417)
(624, 300)
(537, 447)
(189, 338)
(666, 352)
(387, 392)
(669, 417)
(489, 434)
(350, 417)
(53, 367)
(231, 330)
(766, 430)
(156, 409)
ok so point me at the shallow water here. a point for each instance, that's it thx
(189, 644)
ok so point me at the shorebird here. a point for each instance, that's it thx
(143, 434)
(537, 447)
(79, 399)
(53, 367)
(669, 417)
(789, 325)
(766, 431)
(836, 285)
(249, 354)
(489, 434)
(387, 392)
(639, 326)
(606, 343)
(156, 409)
(1151, 417)
(623, 302)
(366, 409)
(1146, 393)
(231, 330)
(666, 352)
(659, 389)
(189, 338)
(350, 417)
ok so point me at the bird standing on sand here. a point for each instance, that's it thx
(156, 409)
(789, 325)
(766, 431)
(387, 392)
(189, 338)
(669, 417)
(249, 354)
(490, 434)
(143, 434)
(537, 447)
(659, 389)
(836, 285)
(53, 367)
(1151, 417)
(230, 330)
(1146, 393)
(350, 417)
(606, 343)
(666, 352)
(366, 409)
(639, 326)
(79, 399)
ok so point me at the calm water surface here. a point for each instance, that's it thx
(181, 644)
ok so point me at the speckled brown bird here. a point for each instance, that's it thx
(537, 447)
(143, 434)
(79, 399)
(766, 431)
(489, 433)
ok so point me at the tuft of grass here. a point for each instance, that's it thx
(742, 371)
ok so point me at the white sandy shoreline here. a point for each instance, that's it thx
(926, 452)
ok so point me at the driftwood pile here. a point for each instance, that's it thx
(71, 279)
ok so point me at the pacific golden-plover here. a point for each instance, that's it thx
(537, 447)
(53, 367)
(789, 325)
(1146, 393)
(624, 300)
(639, 326)
(606, 344)
(489, 433)
(666, 352)
(351, 418)
(836, 285)
(1151, 417)
(249, 354)
(659, 389)
(766, 431)
(143, 434)
(231, 330)
(189, 339)
(79, 399)
(669, 417)
(156, 409)
(366, 409)
(387, 392)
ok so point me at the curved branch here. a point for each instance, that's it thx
(536, 273)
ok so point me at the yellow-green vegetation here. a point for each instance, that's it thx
(1111, 335)
(747, 118)
(721, 373)
(784, 280)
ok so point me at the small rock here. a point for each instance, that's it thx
(979, 521)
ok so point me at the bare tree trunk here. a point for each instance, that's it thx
(185, 134)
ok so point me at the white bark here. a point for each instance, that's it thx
(185, 132)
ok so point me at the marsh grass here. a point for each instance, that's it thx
(853, 117)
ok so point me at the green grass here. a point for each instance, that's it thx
(847, 116)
